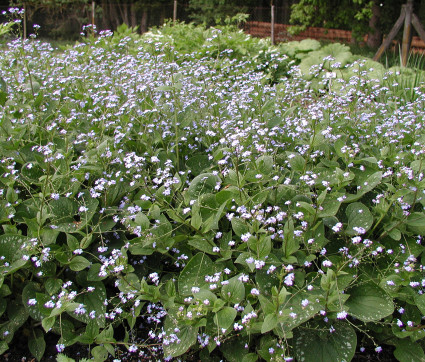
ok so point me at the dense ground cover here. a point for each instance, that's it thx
(223, 200)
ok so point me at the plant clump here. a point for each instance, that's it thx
(181, 203)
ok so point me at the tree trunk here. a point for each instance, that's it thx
(144, 22)
(133, 16)
(105, 18)
(114, 15)
(374, 38)
(162, 16)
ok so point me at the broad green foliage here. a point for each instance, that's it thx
(187, 200)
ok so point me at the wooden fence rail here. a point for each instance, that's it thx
(281, 34)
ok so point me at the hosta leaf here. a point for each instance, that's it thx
(368, 302)
(323, 345)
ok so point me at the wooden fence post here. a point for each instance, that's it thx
(25, 21)
(175, 12)
(93, 12)
(272, 25)
(407, 33)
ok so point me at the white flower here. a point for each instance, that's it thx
(245, 237)
(255, 291)
(305, 303)
(337, 227)
(342, 315)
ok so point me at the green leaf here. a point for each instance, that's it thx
(289, 245)
(266, 281)
(29, 292)
(359, 216)
(234, 350)
(260, 246)
(100, 353)
(47, 323)
(234, 291)
(3, 98)
(3, 305)
(408, 351)
(330, 207)
(72, 242)
(17, 316)
(202, 184)
(36, 343)
(128, 283)
(416, 223)
(79, 263)
(187, 336)
(250, 357)
(368, 302)
(323, 345)
(303, 314)
(53, 285)
(239, 226)
(266, 304)
(196, 220)
(3, 347)
(201, 244)
(225, 317)
(142, 220)
(11, 246)
(63, 210)
(420, 302)
(198, 163)
(93, 301)
(49, 236)
(93, 273)
(264, 164)
(62, 358)
(297, 162)
(107, 335)
(269, 323)
(193, 275)
(365, 185)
